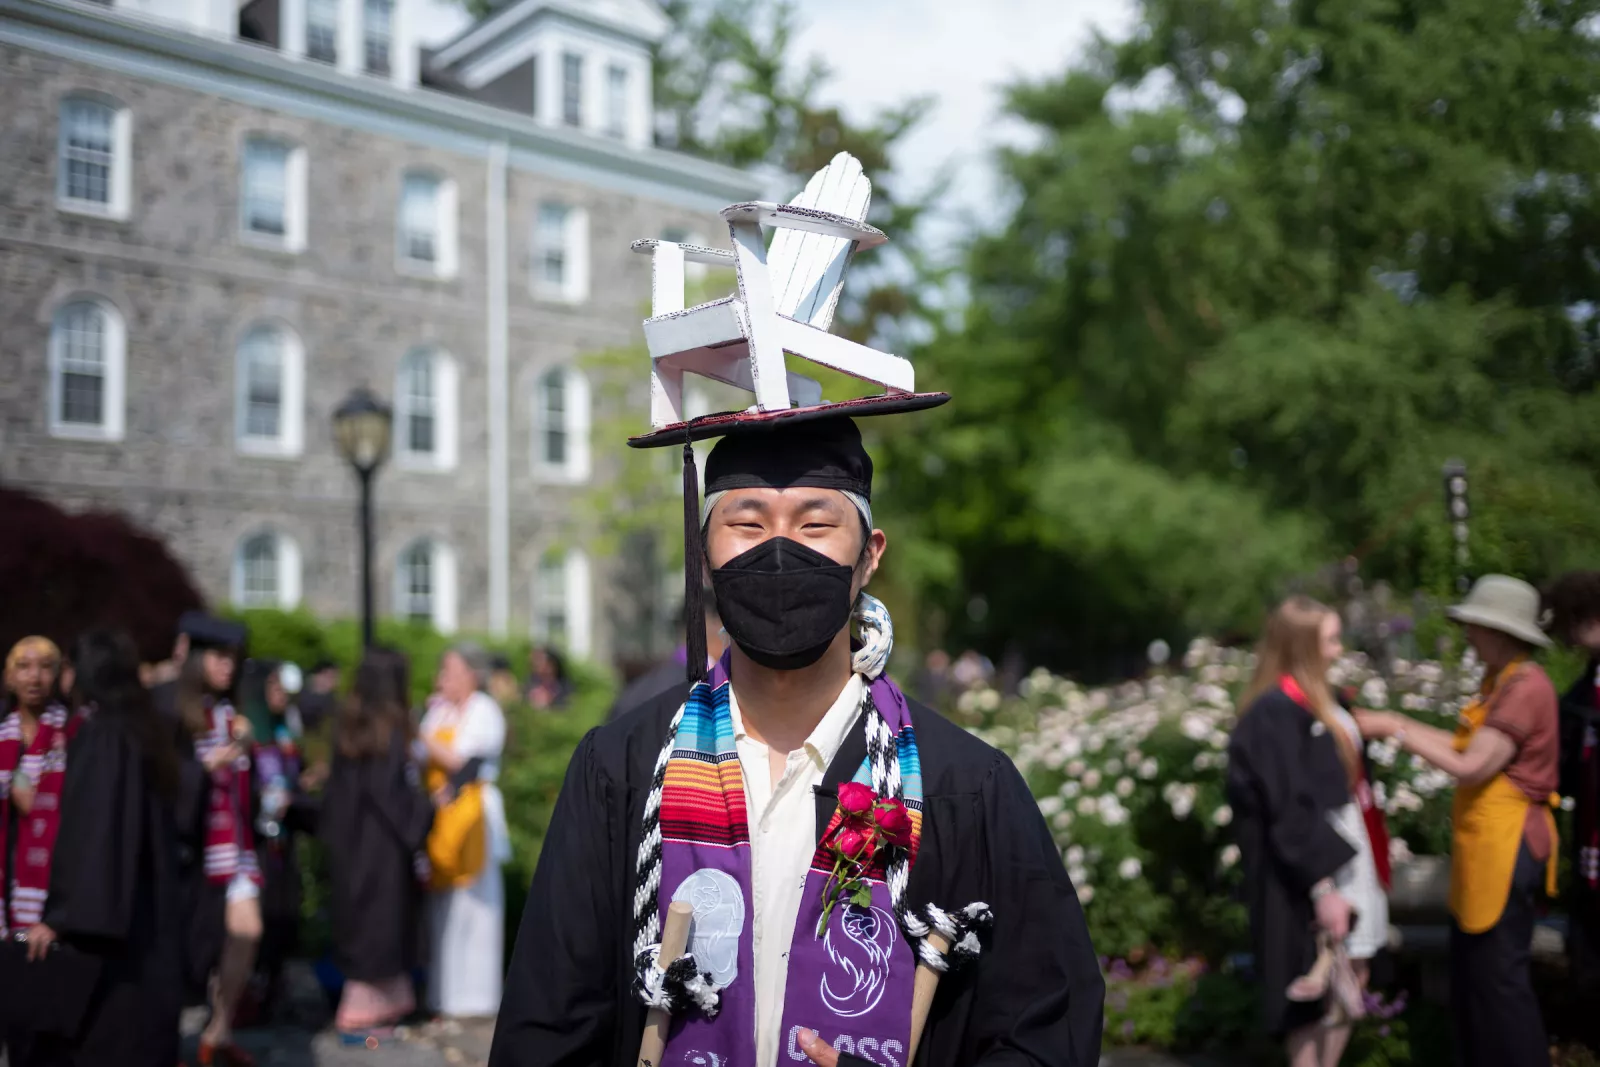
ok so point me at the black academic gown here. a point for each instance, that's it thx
(113, 894)
(1579, 781)
(1284, 776)
(202, 906)
(1034, 998)
(374, 819)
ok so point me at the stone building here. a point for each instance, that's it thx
(217, 218)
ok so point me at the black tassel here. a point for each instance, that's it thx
(694, 611)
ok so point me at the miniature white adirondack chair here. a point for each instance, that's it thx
(785, 302)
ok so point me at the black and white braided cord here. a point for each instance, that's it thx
(646, 911)
(681, 986)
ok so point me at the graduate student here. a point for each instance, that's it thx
(113, 879)
(742, 794)
(375, 819)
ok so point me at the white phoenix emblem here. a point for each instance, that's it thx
(858, 947)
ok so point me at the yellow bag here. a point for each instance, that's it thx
(458, 844)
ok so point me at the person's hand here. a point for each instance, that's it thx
(39, 937)
(1377, 725)
(442, 796)
(817, 1050)
(22, 794)
(1333, 915)
(314, 777)
(220, 756)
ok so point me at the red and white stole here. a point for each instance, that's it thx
(44, 763)
(230, 843)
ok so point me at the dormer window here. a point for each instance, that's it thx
(572, 89)
(378, 29)
(322, 30)
(617, 102)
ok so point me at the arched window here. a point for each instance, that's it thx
(562, 608)
(425, 584)
(88, 354)
(269, 376)
(94, 149)
(266, 571)
(561, 425)
(425, 410)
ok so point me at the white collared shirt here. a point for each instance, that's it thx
(783, 838)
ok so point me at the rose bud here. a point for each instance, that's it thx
(851, 842)
(895, 821)
(855, 798)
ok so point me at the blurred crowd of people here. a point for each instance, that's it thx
(149, 824)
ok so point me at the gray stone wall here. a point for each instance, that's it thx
(189, 288)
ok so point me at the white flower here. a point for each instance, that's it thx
(1062, 820)
(1183, 802)
(1095, 743)
(1076, 768)
(1088, 806)
(1219, 740)
(1071, 747)
(1205, 761)
(1070, 789)
(1085, 894)
(1124, 787)
(1229, 856)
(1222, 816)
(1112, 813)
(1114, 767)
(1568, 803)
(1049, 806)
(1149, 769)
(1194, 726)
(1130, 868)
(1091, 779)
(1399, 851)
(1074, 856)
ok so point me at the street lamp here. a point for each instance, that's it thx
(1455, 502)
(361, 429)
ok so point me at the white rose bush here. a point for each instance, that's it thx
(1131, 780)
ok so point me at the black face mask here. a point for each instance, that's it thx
(783, 603)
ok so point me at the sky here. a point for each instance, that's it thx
(961, 52)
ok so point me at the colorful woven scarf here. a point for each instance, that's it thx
(853, 983)
(44, 765)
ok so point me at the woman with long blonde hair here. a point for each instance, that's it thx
(1297, 785)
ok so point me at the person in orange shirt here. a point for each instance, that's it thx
(1504, 756)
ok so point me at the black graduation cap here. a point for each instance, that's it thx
(818, 446)
(208, 631)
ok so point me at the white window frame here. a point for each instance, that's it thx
(113, 361)
(119, 180)
(576, 419)
(574, 247)
(441, 576)
(308, 6)
(290, 438)
(618, 100)
(576, 605)
(293, 238)
(367, 38)
(287, 560)
(571, 116)
(446, 406)
(446, 210)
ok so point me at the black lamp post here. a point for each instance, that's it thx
(361, 427)
(1455, 501)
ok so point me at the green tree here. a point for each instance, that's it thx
(1271, 263)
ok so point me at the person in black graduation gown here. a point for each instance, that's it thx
(1286, 774)
(1033, 996)
(113, 875)
(374, 820)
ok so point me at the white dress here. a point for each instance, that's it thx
(1357, 880)
(467, 925)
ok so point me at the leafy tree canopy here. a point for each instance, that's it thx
(1268, 264)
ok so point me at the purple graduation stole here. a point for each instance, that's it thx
(852, 985)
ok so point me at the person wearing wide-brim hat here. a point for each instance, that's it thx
(1504, 756)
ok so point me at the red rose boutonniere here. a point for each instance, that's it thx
(867, 824)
